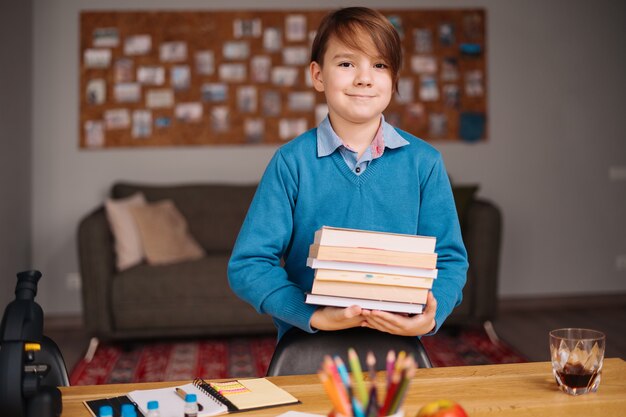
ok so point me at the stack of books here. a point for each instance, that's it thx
(374, 270)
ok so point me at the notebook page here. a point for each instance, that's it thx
(171, 405)
(259, 392)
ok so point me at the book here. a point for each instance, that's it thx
(214, 398)
(372, 278)
(371, 268)
(370, 291)
(329, 300)
(338, 236)
(373, 256)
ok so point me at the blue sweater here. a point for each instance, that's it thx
(406, 190)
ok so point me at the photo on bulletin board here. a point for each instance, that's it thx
(186, 78)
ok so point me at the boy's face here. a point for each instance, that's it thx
(357, 86)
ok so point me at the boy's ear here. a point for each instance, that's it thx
(316, 76)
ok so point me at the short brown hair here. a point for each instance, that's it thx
(346, 24)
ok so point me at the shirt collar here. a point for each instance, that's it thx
(328, 141)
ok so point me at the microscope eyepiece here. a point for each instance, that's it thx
(26, 288)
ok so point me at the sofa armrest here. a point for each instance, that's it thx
(482, 236)
(97, 267)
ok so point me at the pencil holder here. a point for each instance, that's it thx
(399, 413)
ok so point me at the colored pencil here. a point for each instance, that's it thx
(332, 392)
(407, 374)
(391, 392)
(359, 385)
(391, 359)
(331, 369)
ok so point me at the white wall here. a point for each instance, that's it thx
(556, 93)
(16, 26)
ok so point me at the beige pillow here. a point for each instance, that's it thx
(164, 234)
(128, 247)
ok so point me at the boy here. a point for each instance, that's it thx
(356, 171)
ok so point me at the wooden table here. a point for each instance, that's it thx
(526, 389)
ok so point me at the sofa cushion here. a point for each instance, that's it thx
(187, 294)
(164, 234)
(214, 212)
(128, 247)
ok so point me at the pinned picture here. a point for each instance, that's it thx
(188, 112)
(472, 26)
(451, 95)
(295, 27)
(396, 22)
(428, 88)
(105, 38)
(96, 91)
(260, 66)
(151, 75)
(296, 55)
(308, 81)
(405, 90)
(449, 69)
(446, 34)
(173, 51)
(321, 111)
(437, 125)
(290, 128)
(219, 119)
(423, 40)
(271, 103)
(236, 50)
(137, 45)
(415, 115)
(423, 64)
(247, 99)
(180, 77)
(253, 130)
(284, 76)
(160, 98)
(94, 133)
(162, 122)
(123, 70)
(247, 28)
(205, 62)
(214, 92)
(117, 119)
(272, 39)
(142, 123)
(301, 101)
(232, 72)
(474, 83)
(127, 92)
(97, 58)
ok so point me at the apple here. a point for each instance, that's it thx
(442, 408)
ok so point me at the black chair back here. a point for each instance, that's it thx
(299, 352)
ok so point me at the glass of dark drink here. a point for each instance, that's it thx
(577, 356)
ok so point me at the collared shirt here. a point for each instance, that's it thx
(328, 142)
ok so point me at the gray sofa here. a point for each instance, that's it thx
(193, 298)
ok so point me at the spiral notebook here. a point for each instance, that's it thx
(216, 397)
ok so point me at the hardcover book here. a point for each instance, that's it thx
(374, 256)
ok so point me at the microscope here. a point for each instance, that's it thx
(31, 365)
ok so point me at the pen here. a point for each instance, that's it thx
(181, 393)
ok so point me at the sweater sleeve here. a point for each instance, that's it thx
(255, 273)
(438, 217)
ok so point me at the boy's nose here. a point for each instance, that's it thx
(363, 78)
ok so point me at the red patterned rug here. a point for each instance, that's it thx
(250, 356)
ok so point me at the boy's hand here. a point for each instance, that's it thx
(335, 318)
(400, 324)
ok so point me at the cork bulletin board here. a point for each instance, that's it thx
(179, 78)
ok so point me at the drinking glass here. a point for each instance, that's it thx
(577, 356)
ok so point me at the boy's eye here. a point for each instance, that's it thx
(380, 66)
(345, 64)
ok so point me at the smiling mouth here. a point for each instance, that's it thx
(359, 96)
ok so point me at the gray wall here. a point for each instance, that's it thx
(16, 28)
(556, 94)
